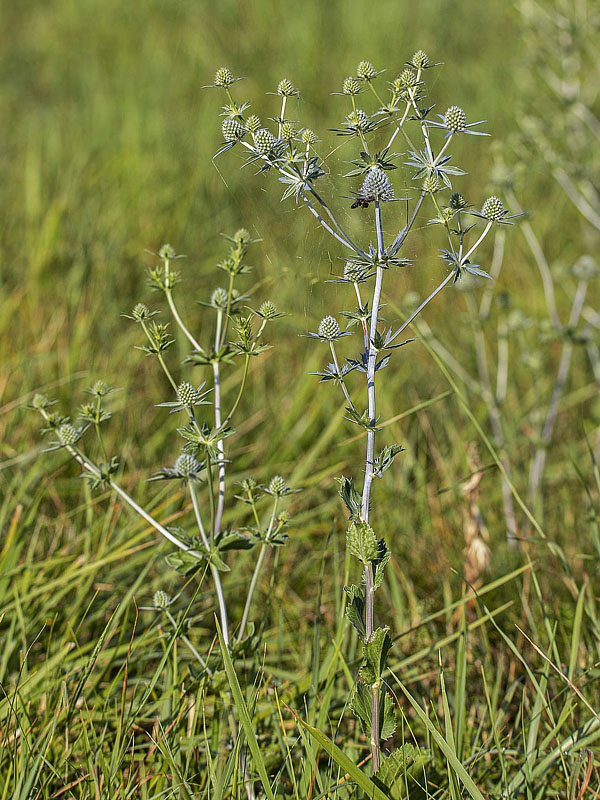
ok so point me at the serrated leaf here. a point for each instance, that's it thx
(360, 703)
(383, 556)
(350, 496)
(401, 763)
(361, 541)
(183, 563)
(387, 715)
(375, 651)
(355, 610)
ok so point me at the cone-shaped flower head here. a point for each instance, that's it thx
(252, 123)
(455, 119)
(329, 328)
(277, 486)
(377, 184)
(264, 141)
(351, 86)
(67, 434)
(186, 466)
(223, 77)
(186, 394)
(366, 71)
(160, 599)
(493, 209)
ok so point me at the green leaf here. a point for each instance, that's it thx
(350, 496)
(401, 763)
(362, 542)
(355, 610)
(373, 792)
(360, 703)
(383, 556)
(244, 716)
(387, 715)
(183, 562)
(375, 651)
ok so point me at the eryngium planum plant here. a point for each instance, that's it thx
(397, 113)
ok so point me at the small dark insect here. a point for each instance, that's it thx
(363, 202)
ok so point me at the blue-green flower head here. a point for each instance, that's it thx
(187, 395)
(329, 328)
(493, 209)
(457, 201)
(377, 185)
(277, 486)
(308, 137)
(286, 88)
(186, 466)
(455, 119)
(288, 132)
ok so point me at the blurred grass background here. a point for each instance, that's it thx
(107, 146)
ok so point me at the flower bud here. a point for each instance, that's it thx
(248, 484)
(308, 136)
(407, 79)
(67, 434)
(431, 184)
(218, 298)
(366, 71)
(420, 60)
(100, 389)
(223, 77)
(455, 119)
(354, 272)
(359, 119)
(232, 130)
(264, 141)
(493, 209)
(252, 123)
(186, 394)
(40, 401)
(160, 599)
(277, 486)
(288, 132)
(186, 466)
(351, 86)
(457, 201)
(329, 328)
(286, 88)
(267, 310)
(166, 252)
(241, 236)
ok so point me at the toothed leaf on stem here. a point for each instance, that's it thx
(350, 496)
(406, 761)
(361, 541)
(355, 610)
(375, 652)
(379, 563)
(385, 459)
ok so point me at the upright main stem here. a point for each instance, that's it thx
(369, 466)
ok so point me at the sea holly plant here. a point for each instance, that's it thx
(387, 125)
(203, 544)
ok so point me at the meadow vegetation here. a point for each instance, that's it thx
(113, 679)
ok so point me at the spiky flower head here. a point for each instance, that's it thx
(186, 466)
(264, 141)
(186, 394)
(252, 123)
(309, 137)
(457, 201)
(224, 77)
(366, 71)
(218, 298)
(286, 88)
(242, 236)
(232, 130)
(68, 434)
(248, 484)
(431, 184)
(351, 86)
(493, 209)
(141, 312)
(455, 119)
(359, 119)
(277, 486)
(377, 184)
(99, 388)
(420, 60)
(267, 310)
(354, 272)
(166, 252)
(288, 131)
(407, 78)
(329, 328)
(40, 401)
(160, 599)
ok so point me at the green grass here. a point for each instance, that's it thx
(106, 150)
